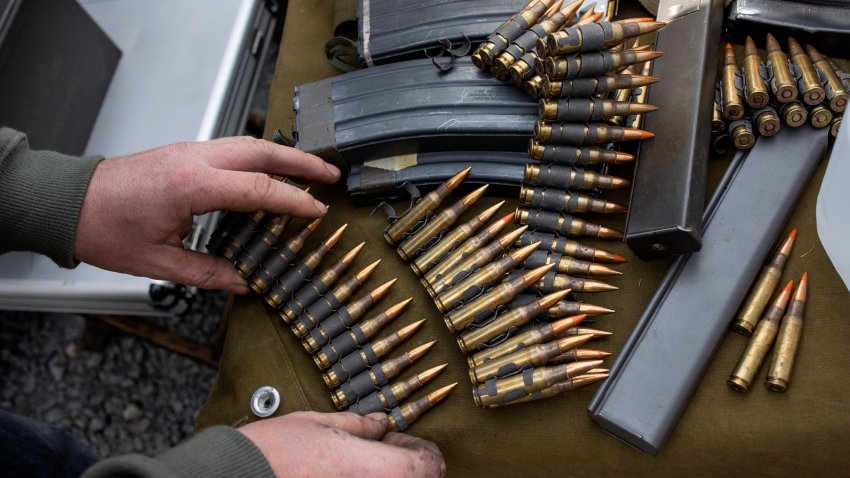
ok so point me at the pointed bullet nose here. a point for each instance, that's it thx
(802, 288)
(367, 271)
(431, 373)
(458, 178)
(438, 395)
(352, 254)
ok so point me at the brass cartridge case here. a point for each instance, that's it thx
(486, 304)
(755, 89)
(784, 85)
(809, 85)
(497, 392)
(508, 321)
(763, 288)
(535, 336)
(788, 340)
(402, 417)
(759, 344)
(452, 240)
(412, 246)
(794, 113)
(530, 357)
(423, 206)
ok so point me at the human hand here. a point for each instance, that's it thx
(343, 445)
(138, 208)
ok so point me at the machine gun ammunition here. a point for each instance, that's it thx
(788, 340)
(330, 302)
(578, 134)
(481, 258)
(809, 84)
(562, 245)
(498, 392)
(549, 221)
(763, 288)
(755, 89)
(468, 248)
(301, 271)
(496, 43)
(733, 101)
(422, 207)
(319, 285)
(595, 63)
(377, 376)
(389, 396)
(507, 322)
(412, 246)
(596, 36)
(836, 93)
(455, 293)
(529, 357)
(343, 318)
(534, 336)
(486, 305)
(566, 177)
(278, 262)
(363, 358)
(452, 240)
(760, 342)
(783, 84)
(402, 417)
(578, 156)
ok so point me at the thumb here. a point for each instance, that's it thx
(197, 269)
(370, 427)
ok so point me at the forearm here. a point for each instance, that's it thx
(41, 193)
(216, 452)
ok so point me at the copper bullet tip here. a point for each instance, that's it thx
(367, 271)
(490, 211)
(577, 368)
(560, 326)
(802, 288)
(600, 270)
(568, 343)
(418, 352)
(620, 157)
(646, 135)
(594, 310)
(598, 286)
(794, 48)
(643, 56)
(382, 289)
(314, 224)
(349, 256)
(333, 238)
(535, 275)
(519, 255)
(587, 379)
(437, 396)
(396, 310)
(458, 178)
(408, 330)
(772, 44)
(470, 198)
(788, 244)
(750, 46)
(510, 238)
(617, 258)
(431, 373)
(813, 53)
(608, 233)
(549, 301)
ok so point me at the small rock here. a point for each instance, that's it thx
(131, 412)
(54, 415)
(95, 425)
(72, 351)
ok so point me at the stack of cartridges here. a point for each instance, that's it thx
(802, 86)
(521, 346)
(334, 324)
(767, 321)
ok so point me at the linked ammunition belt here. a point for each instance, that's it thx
(794, 89)
(519, 349)
(318, 305)
(396, 30)
(409, 107)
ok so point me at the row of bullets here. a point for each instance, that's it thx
(765, 322)
(319, 308)
(477, 276)
(798, 87)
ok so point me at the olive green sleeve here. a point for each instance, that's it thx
(215, 452)
(41, 193)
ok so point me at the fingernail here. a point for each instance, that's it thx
(378, 417)
(320, 206)
(333, 170)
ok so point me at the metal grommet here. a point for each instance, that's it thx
(265, 401)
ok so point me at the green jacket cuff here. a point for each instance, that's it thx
(213, 453)
(42, 193)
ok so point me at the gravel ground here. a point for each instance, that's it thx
(118, 393)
